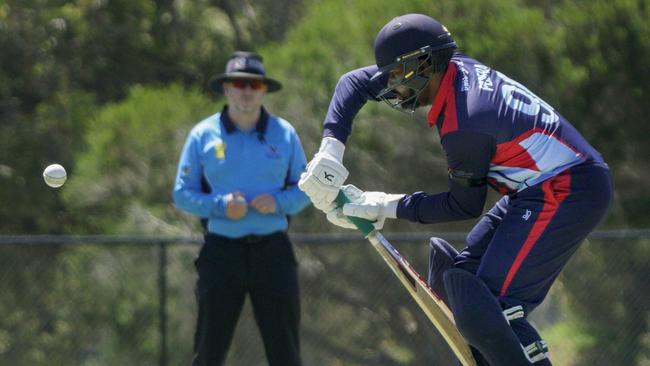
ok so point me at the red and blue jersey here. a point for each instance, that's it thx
(492, 129)
(532, 141)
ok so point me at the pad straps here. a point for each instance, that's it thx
(535, 351)
(513, 313)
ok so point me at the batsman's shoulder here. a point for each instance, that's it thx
(361, 75)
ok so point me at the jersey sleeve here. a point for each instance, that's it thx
(188, 194)
(291, 199)
(352, 92)
(468, 158)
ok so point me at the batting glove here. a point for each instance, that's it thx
(336, 216)
(375, 207)
(325, 175)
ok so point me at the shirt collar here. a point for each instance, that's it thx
(445, 91)
(260, 125)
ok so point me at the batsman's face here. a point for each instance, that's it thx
(404, 93)
(395, 78)
(245, 96)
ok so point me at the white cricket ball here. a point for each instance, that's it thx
(55, 175)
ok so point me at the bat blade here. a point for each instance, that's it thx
(435, 309)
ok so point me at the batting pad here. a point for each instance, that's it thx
(481, 321)
(441, 258)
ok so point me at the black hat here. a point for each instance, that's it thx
(244, 65)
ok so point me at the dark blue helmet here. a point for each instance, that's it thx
(409, 41)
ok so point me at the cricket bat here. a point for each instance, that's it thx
(432, 305)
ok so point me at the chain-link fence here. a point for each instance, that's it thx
(94, 300)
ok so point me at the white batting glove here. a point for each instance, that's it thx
(374, 206)
(336, 216)
(325, 175)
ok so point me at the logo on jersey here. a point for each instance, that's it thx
(464, 86)
(273, 152)
(483, 76)
(220, 150)
(527, 215)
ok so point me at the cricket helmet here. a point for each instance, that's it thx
(409, 41)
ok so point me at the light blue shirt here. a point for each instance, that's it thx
(268, 159)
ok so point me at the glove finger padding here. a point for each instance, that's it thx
(357, 199)
(321, 199)
(353, 193)
(368, 206)
(325, 207)
(374, 206)
(337, 218)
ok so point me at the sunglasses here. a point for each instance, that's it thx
(243, 83)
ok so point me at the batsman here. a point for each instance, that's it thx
(495, 132)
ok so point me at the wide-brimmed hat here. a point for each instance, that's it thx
(244, 65)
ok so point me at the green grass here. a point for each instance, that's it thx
(565, 342)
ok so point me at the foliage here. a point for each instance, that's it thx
(110, 89)
(64, 57)
(616, 328)
(132, 152)
(610, 42)
(79, 307)
(53, 132)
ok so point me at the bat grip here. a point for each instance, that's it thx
(365, 226)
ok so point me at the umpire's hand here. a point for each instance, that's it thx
(236, 205)
(264, 204)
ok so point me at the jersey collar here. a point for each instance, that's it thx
(443, 95)
(260, 126)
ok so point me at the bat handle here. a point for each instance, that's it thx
(365, 226)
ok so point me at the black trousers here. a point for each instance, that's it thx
(265, 268)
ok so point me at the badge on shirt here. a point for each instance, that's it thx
(220, 150)
(273, 152)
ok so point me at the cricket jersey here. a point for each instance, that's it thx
(494, 131)
(267, 159)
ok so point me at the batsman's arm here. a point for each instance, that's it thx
(468, 157)
(325, 172)
(352, 92)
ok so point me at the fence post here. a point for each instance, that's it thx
(162, 301)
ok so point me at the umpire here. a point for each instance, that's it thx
(251, 161)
